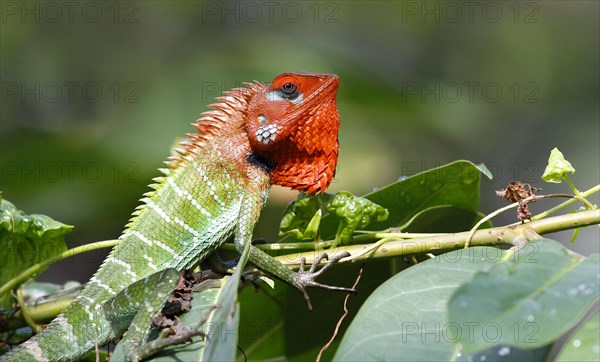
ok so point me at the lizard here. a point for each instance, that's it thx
(213, 189)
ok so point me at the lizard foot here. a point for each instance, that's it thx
(174, 335)
(304, 279)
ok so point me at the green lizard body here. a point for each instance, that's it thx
(214, 190)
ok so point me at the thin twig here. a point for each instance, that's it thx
(491, 215)
(41, 266)
(339, 323)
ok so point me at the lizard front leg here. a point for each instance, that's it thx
(249, 213)
(140, 301)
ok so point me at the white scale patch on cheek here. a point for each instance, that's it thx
(267, 134)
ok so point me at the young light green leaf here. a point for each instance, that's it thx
(302, 217)
(354, 213)
(26, 240)
(558, 167)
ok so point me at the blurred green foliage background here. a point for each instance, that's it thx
(94, 94)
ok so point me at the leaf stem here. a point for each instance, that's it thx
(559, 207)
(572, 186)
(34, 326)
(39, 267)
(488, 217)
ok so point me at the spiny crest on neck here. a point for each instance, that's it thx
(215, 124)
(293, 122)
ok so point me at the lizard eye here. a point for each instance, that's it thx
(289, 90)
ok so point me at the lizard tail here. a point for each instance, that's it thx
(67, 338)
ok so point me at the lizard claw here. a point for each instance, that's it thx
(304, 279)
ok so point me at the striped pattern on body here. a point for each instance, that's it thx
(189, 214)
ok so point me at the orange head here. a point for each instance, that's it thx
(294, 122)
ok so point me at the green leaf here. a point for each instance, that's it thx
(584, 344)
(301, 218)
(35, 290)
(262, 323)
(455, 184)
(531, 298)
(405, 318)
(223, 346)
(505, 353)
(56, 299)
(95, 357)
(201, 305)
(26, 240)
(558, 167)
(484, 170)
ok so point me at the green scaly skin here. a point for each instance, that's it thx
(209, 193)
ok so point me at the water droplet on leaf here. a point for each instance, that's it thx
(584, 289)
(504, 351)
